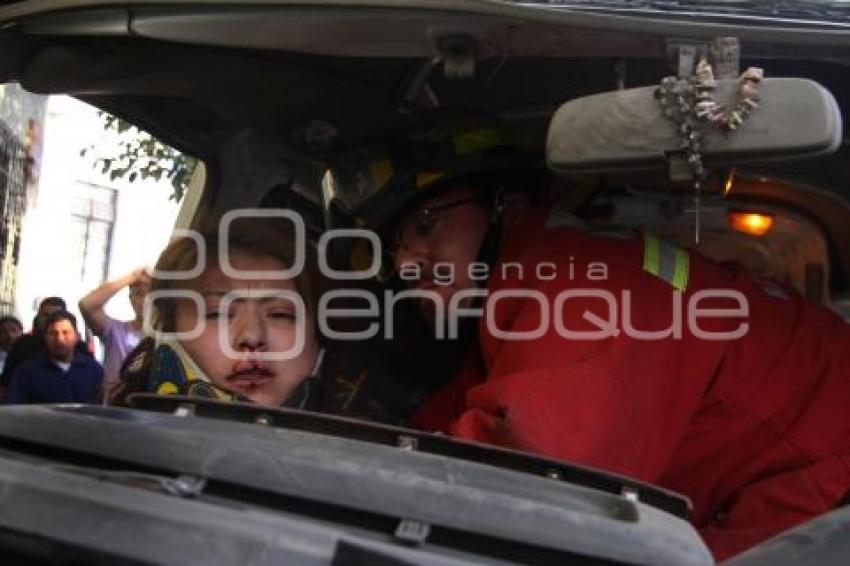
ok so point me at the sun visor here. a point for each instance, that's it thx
(627, 129)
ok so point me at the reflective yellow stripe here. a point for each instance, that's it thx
(477, 141)
(651, 255)
(666, 261)
(381, 172)
(683, 268)
(427, 177)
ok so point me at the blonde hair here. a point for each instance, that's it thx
(271, 238)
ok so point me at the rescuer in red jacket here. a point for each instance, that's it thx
(634, 356)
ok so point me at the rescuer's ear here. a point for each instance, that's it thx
(517, 204)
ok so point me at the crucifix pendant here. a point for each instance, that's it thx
(697, 211)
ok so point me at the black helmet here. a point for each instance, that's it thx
(367, 186)
(372, 186)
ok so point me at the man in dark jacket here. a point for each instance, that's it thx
(59, 374)
(32, 343)
(10, 330)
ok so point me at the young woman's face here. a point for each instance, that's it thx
(257, 327)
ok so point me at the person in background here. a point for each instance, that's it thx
(59, 373)
(10, 330)
(119, 336)
(32, 343)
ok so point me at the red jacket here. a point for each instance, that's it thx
(755, 430)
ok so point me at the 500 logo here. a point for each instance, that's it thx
(596, 313)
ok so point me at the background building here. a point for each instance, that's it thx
(82, 228)
(21, 124)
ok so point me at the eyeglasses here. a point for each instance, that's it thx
(426, 222)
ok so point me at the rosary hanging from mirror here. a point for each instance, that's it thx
(691, 105)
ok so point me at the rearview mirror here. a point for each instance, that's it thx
(627, 130)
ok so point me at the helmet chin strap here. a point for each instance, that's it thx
(317, 367)
(487, 254)
(490, 246)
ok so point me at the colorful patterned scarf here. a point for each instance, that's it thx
(174, 372)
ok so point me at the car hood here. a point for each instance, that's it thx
(309, 478)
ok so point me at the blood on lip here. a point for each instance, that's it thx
(251, 380)
(249, 374)
(253, 372)
(260, 374)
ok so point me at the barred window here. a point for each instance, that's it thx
(93, 210)
(12, 195)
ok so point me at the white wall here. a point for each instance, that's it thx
(144, 219)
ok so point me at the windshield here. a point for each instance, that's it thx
(493, 280)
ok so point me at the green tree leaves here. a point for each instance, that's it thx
(141, 156)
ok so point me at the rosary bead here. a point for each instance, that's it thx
(754, 74)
